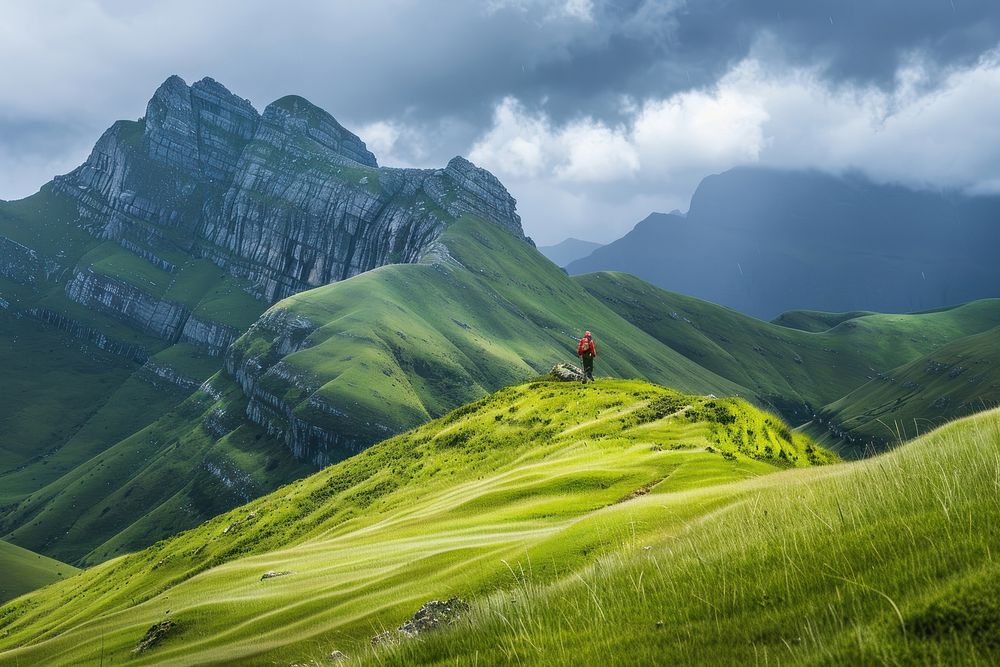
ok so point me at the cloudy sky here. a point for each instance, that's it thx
(593, 112)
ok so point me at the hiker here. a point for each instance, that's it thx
(586, 350)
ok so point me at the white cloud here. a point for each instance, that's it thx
(526, 145)
(699, 129)
(926, 131)
(582, 10)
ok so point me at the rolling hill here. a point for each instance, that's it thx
(24, 571)
(797, 371)
(618, 523)
(958, 379)
(549, 473)
(765, 241)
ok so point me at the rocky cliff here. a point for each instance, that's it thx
(288, 199)
(185, 225)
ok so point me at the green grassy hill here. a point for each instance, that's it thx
(330, 371)
(815, 321)
(542, 479)
(956, 380)
(386, 350)
(22, 571)
(798, 371)
(80, 377)
(617, 523)
(890, 560)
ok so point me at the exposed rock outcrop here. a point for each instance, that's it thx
(288, 199)
(159, 317)
(98, 338)
(213, 336)
(281, 201)
(156, 373)
(567, 372)
(20, 263)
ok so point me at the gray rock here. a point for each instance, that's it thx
(567, 373)
(124, 301)
(288, 199)
(431, 616)
(283, 201)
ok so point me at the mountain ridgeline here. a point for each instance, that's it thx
(123, 283)
(221, 301)
(287, 199)
(765, 241)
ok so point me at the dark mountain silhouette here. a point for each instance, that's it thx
(765, 241)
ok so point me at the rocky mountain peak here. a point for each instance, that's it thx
(200, 129)
(296, 118)
(480, 191)
(284, 201)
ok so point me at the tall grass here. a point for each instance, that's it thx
(887, 561)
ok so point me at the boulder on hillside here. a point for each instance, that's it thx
(432, 615)
(567, 373)
(154, 636)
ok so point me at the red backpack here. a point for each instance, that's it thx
(583, 348)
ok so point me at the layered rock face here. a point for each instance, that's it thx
(288, 199)
(280, 201)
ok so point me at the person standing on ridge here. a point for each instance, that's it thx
(587, 351)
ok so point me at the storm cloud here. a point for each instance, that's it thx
(593, 112)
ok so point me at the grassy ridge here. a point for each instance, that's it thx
(797, 371)
(388, 349)
(885, 561)
(546, 476)
(960, 378)
(22, 571)
(815, 321)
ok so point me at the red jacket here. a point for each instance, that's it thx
(586, 346)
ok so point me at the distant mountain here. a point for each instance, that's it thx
(568, 251)
(765, 241)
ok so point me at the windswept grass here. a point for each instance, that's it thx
(887, 561)
(545, 478)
